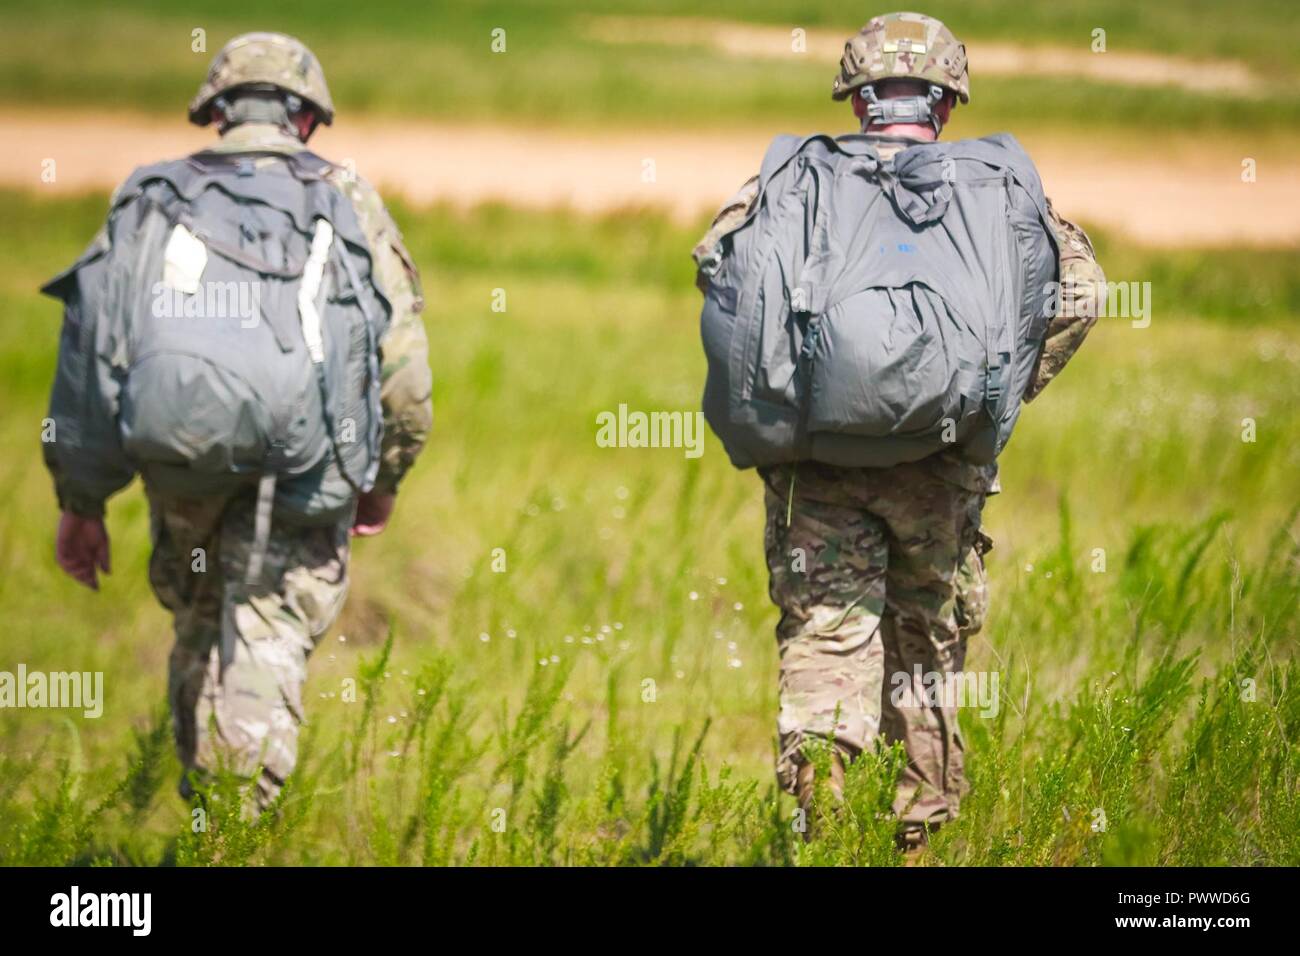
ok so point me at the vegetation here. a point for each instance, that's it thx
(609, 697)
(436, 60)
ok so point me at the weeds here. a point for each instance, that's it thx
(1145, 583)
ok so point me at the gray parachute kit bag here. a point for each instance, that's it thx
(221, 332)
(874, 311)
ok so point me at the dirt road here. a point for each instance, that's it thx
(1185, 192)
(752, 41)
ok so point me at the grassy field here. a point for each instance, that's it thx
(397, 58)
(1149, 712)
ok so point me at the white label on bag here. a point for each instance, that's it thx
(184, 261)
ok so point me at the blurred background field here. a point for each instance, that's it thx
(1161, 690)
(580, 61)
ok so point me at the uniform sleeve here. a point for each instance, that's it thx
(81, 444)
(1083, 286)
(731, 215)
(407, 382)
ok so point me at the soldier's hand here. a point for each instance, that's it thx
(373, 511)
(82, 548)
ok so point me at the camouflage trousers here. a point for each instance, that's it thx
(239, 663)
(879, 577)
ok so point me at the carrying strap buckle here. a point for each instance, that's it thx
(994, 382)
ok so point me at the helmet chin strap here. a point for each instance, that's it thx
(903, 109)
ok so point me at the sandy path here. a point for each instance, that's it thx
(1184, 193)
(765, 42)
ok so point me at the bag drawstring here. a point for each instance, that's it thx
(789, 501)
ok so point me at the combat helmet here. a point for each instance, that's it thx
(264, 61)
(903, 45)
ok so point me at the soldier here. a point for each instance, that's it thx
(893, 577)
(239, 662)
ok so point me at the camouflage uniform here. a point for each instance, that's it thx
(866, 565)
(240, 660)
(237, 669)
(877, 571)
(239, 663)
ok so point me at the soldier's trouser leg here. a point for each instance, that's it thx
(875, 572)
(936, 600)
(826, 559)
(240, 660)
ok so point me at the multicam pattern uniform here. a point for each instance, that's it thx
(237, 669)
(877, 571)
(239, 664)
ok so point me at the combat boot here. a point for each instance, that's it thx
(807, 790)
(914, 840)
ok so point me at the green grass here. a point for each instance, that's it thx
(1121, 689)
(434, 60)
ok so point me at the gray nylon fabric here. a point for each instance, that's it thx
(870, 312)
(206, 390)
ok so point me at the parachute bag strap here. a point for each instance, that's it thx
(261, 528)
(1009, 328)
(322, 241)
(999, 359)
(372, 370)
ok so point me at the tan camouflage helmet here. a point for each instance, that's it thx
(264, 60)
(903, 45)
